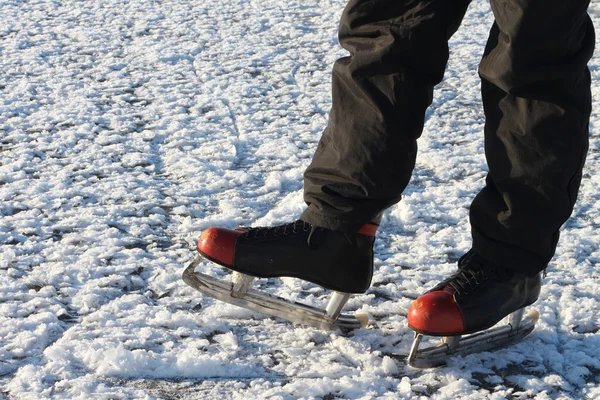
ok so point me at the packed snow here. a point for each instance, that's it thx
(128, 127)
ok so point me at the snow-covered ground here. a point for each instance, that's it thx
(128, 127)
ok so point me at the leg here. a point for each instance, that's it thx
(537, 100)
(399, 50)
(398, 53)
(536, 92)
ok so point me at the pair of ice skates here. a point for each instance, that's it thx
(471, 301)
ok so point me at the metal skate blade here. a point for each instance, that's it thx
(481, 341)
(258, 301)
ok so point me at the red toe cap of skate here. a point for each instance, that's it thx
(218, 244)
(436, 313)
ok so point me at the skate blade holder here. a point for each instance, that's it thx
(518, 327)
(239, 292)
(241, 283)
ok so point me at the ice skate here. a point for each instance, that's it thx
(470, 303)
(337, 261)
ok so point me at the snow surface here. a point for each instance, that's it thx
(128, 127)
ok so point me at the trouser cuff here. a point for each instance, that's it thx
(333, 223)
(516, 259)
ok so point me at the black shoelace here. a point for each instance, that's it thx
(280, 230)
(473, 271)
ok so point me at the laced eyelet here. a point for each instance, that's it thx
(275, 231)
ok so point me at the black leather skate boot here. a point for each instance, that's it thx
(475, 298)
(334, 260)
